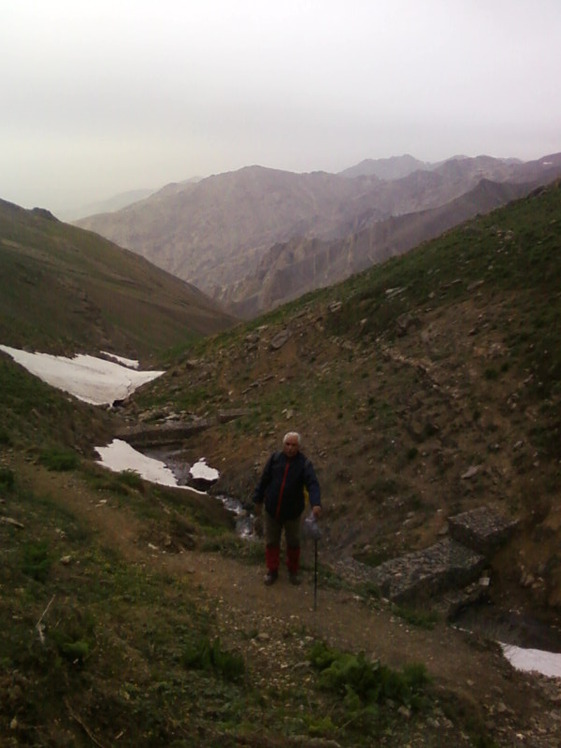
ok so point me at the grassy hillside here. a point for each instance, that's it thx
(133, 616)
(63, 289)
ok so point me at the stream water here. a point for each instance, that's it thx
(176, 461)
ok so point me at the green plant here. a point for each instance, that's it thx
(59, 459)
(206, 655)
(131, 479)
(356, 678)
(74, 636)
(425, 619)
(36, 560)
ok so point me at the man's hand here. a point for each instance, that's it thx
(317, 512)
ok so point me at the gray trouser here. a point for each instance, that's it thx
(273, 531)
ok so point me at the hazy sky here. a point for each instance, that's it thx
(99, 97)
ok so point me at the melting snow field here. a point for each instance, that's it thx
(119, 455)
(100, 382)
(93, 380)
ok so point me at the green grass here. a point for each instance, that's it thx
(207, 655)
(35, 416)
(514, 250)
(59, 459)
(425, 619)
(98, 633)
(36, 561)
(363, 686)
(120, 649)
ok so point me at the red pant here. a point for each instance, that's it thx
(273, 534)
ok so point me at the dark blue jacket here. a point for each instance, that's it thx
(282, 486)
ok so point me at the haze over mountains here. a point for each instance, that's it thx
(257, 237)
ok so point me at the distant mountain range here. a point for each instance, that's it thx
(395, 167)
(256, 237)
(117, 202)
(111, 204)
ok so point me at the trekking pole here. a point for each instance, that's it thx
(315, 574)
(314, 532)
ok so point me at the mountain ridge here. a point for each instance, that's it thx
(214, 233)
(281, 274)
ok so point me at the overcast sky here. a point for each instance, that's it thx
(104, 96)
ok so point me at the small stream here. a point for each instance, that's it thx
(175, 460)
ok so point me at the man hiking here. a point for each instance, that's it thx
(281, 488)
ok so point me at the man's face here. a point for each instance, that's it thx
(291, 446)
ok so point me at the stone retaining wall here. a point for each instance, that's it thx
(481, 529)
(453, 563)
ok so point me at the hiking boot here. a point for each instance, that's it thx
(270, 578)
(294, 579)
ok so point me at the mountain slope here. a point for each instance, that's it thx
(289, 270)
(213, 230)
(425, 386)
(63, 289)
(215, 233)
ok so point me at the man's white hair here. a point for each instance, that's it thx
(292, 435)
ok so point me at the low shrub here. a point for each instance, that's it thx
(36, 561)
(131, 479)
(59, 459)
(367, 683)
(206, 655)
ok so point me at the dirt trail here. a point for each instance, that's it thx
(459, 663)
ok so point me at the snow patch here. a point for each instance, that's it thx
(93, 380)
(201, 471)
(119, 456)
(533, 660)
